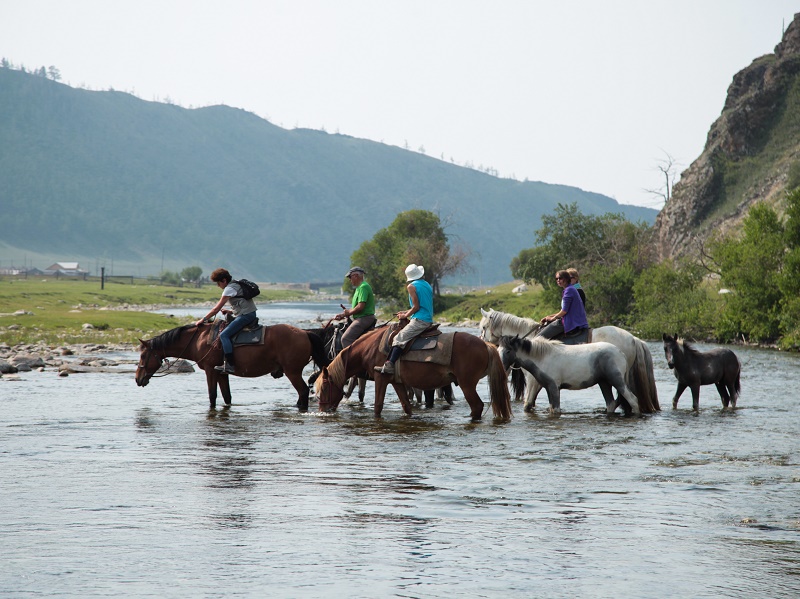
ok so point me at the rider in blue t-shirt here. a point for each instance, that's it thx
(420, 314)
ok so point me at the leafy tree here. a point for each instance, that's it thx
(171, 278)
(192, 274)
(608, 250)
(671, 298)
(750, 266)
(414, 236)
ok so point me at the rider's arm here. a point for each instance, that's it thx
(357, 309)
(222, 301)
(412, 294)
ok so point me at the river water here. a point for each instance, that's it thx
(113, 490)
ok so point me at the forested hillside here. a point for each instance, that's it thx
(86, 174)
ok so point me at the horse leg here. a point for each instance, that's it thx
(723, 394)
(631, 403)
(475, 402)
(402, 394)
(608, 395)
(533, 388)
(430, 396)
(362, 389)
(211, 383)
(447, 393)
(302, 389)
(681, 388)
(695, 397)
(224, 382)
(554, 397)
(381, 382)
(351, 384)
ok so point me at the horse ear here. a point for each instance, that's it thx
(664, 337)
(484, 312)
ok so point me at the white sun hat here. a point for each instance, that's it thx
(414, 272)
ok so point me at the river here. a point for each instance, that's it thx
(109, 489)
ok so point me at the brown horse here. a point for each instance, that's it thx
(285, 350)
(472, 359)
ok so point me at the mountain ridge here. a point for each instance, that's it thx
(89, 173)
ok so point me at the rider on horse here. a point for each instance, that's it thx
(420, 315)
(571, 319)
(244, 312)
(362, 310)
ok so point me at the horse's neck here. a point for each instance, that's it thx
(517, 325)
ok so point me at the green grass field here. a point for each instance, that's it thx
(56, 310)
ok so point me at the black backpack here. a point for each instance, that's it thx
(249, 289)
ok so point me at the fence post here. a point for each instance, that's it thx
(102, 277)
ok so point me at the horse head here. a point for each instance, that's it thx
(329, 394)
(671, 348)
(507, 348)
(485, 327)
(149, 363)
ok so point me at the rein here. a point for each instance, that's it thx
(164, 358)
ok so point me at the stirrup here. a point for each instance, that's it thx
(387, 368)
(226, 368)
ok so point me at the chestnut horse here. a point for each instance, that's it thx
(472, 359)
(285, 350)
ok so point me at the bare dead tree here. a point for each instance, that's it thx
(668, 167)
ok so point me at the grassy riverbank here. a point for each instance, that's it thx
(53, 312)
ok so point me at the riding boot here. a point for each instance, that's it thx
(388, 366)
(228, 366)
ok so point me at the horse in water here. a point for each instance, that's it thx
(693, 368)
(331, 335)
(557, 366)
(470, 361)
(640, 377)
(284, 350)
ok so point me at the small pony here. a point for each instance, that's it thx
(693, 368)
(557, 366)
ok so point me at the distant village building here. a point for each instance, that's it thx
(67, 269)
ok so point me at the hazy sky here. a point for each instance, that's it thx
(589, 93)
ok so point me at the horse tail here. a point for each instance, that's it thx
(737, 388)
(498, 385)
(642, 380)
(318, 353)
(518, 382)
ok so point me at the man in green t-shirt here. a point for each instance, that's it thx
(363, 307)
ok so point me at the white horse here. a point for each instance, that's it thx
(639, 378)
(557, 366)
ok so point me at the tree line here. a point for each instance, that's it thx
(743, 286)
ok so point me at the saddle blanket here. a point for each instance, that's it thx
(247, 336)
(577, 338)
(436, 350)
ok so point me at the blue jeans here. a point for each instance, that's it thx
(226, 336)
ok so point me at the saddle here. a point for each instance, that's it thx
(578, 337)
(432, 345)
(334, 346)
(252, 334)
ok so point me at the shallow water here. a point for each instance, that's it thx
(110, 489)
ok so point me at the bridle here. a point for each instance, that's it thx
(144, 358)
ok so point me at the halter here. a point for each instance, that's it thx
(164, 358)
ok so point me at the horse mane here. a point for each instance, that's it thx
(165, 340)
(536, 347)
(688, 347)
(511, 324)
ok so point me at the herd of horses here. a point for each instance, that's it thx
(614, 360)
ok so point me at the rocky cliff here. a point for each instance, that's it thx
(750, 150)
